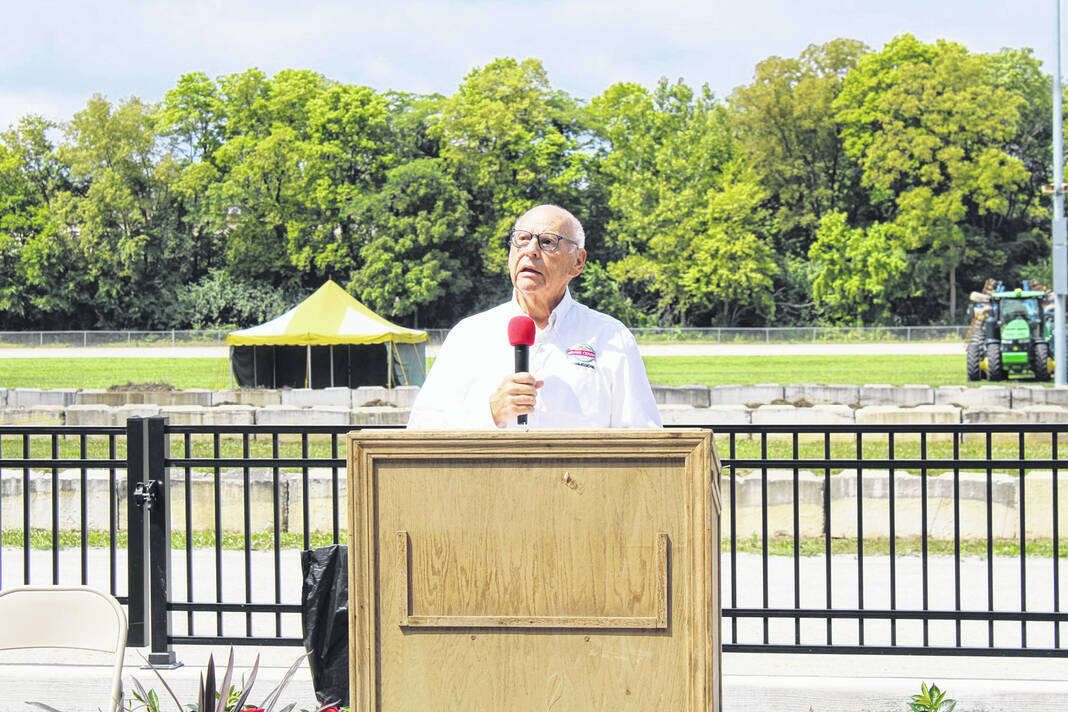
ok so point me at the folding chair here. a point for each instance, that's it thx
(69, 617)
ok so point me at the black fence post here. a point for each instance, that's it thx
(137, 534)
(157, 449)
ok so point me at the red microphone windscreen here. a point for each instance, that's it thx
(521, 331)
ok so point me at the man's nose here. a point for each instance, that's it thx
(534, 247)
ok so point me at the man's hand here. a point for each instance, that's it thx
(515, 396)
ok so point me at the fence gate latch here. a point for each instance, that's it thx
(146, 493)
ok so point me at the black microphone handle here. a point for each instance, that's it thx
(522, 363)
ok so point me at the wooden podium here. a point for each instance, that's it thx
(547, 571)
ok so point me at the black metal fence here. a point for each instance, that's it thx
(940, 539)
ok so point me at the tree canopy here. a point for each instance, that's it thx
(843, 186)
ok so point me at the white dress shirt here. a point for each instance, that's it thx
(594, 376)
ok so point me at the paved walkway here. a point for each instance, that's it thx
(751, 681)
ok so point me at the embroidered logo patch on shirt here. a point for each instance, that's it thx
(582, 355)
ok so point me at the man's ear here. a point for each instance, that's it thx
(579, 263)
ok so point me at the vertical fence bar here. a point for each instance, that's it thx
(83, 452)
(27, 531)
(277, 543)
(956, 533)
(797, 545)
(860, 539)
(55, 509)
(1023, 540)
(113, 519)
(827, 533)
(159, 548)
(216, 449)
(893, 537)
(336, 505)
(306, 499)
(136, 534)
(248, 531)
(924, 582)
(990, 537)
(187, 443)
(1056, 544)
(734, 535)
(764, 529)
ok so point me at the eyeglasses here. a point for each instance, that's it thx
(547, 241)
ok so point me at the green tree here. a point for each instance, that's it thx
(931, 130)
(415, 261)
(685, 213)
(511, 142)
(860, 273)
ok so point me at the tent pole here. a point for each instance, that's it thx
(389, 364)
(255, 382)
(307, 376)
(331, 365)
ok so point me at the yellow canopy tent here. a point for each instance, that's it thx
(329, 339)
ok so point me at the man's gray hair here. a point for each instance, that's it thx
(577, 233)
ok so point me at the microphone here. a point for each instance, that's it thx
(521, 336)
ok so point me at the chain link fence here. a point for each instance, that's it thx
(694, 335)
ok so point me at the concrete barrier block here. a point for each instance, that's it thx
(710, 416)
(366, 396)
(134, 410)
(403, 396)
(3, 397)
(229, 415)
(28, 397)
(288, 415)
(255, 397)
(183, 414)
(920, 415)
(190, 396)
(874, 486)
(379, 415)
(1039, 395)
(33, 415)
(967, 397)
(1041, 414)
(100, 396)
(315, 397)
(318, 498)
(990, 414)
(90, 415)
(40, 500)
(780, 486)
(745, 395)
(816, 394)
(884, 394)
(694, 396)
(1038, 503)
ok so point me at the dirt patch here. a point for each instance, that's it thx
(130, 386)
(799, 403)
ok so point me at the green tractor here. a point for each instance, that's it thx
(1011, 334)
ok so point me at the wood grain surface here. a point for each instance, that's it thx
(538, 570)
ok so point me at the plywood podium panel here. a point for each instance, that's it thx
(565, 571)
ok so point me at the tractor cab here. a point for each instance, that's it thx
(1013, 338)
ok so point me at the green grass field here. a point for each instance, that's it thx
(668, 370)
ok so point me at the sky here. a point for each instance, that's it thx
(54, 55)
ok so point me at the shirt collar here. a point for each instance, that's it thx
(561, 310)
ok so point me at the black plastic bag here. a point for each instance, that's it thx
(325, 614)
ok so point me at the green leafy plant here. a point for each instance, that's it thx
(221, 696)
(931, 699)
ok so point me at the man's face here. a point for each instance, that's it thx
(543, 274)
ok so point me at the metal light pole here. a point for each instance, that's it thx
(1060, 250)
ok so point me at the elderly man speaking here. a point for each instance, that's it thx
(585, 370)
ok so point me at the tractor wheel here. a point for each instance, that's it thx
(995, 370)
(1040, 361)
(975, 355)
